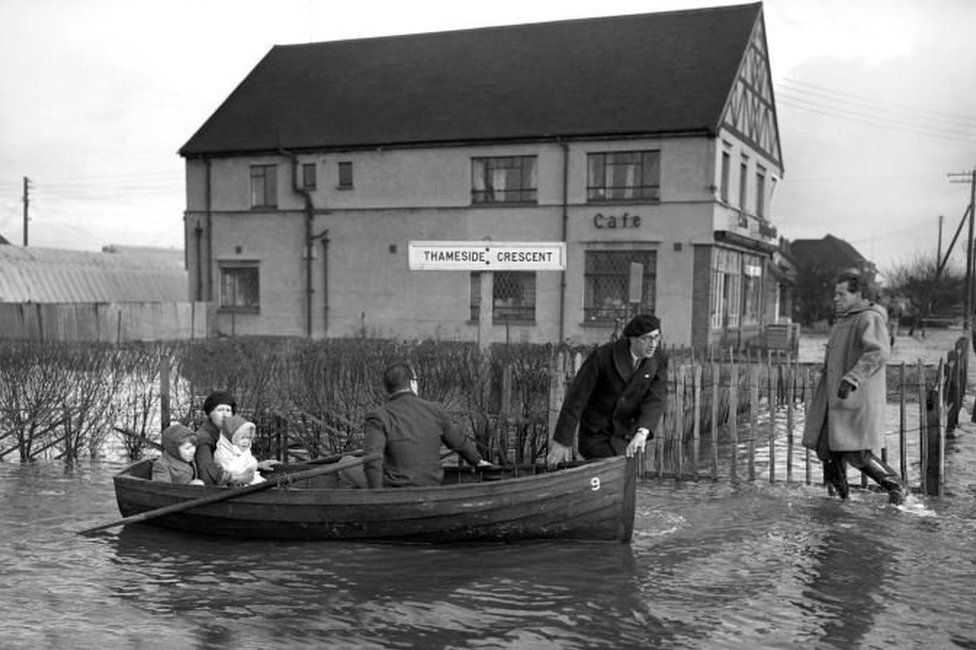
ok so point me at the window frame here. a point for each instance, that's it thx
(528, 309)
(600, 190)
(760, 191)
(267, 175)
(483, 170)
(725, 178)
(596, 283)
(239, 303)
(743, 183)
(345, 171)
(309, 181)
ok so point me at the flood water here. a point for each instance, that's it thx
(712, 565)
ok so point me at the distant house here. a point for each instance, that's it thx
(830, 253)
(817, 263)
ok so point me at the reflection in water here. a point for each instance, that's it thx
(847, 575)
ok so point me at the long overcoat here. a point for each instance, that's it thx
(857, 350)
(609, 399)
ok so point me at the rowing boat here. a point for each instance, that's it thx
(589, 501)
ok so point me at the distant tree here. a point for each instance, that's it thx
(922, 293)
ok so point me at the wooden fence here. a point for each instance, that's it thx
(106, 322)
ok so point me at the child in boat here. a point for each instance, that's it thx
(176, 464)
(233, 452)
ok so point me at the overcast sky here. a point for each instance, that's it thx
(876, 103)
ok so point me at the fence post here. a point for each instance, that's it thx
(557, 391)
(733, 418)
(772, 411)
(696, 426)
(716, 377)
(753, 415)
(922, 421)
(679, 420)
(164, 410)
(790, 396)
(902, 442)
(934, 443)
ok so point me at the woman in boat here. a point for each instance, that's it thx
(218, 406)
(233, 452)
(176, 464)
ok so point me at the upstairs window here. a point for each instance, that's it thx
(760, 191)
(743, 182)
(513, 296)
(509, 179)
(264, 186)
(308, 176)
(345, 175)
(239, 286)
(606, 285)
(624, 176)
(726, 170)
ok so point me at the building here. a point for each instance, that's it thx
(645, 140)
(830, 253)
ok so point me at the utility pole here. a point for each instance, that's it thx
(26, 205)
(968, 177)
(938, 254)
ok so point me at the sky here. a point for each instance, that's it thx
(876, 103)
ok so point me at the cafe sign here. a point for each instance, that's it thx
(486, 255)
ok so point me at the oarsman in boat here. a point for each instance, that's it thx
(617, 398)
(175, 464)
(408, 431)
(847, 416)
(216, 407)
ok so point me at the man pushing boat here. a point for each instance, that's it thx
(617, 398)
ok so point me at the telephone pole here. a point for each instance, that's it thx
(938, 253)
(968, 177)
(26, 205)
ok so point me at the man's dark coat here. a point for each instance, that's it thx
(610, 400)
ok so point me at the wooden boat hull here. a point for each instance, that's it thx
(592, 501)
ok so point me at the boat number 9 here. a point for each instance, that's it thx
(595, 483)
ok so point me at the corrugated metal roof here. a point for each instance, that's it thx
(56, 275)
(621, 75)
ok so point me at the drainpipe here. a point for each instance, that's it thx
(198, 232)
(562, 274)
(209, 186)
(324, 236)
(309, 216)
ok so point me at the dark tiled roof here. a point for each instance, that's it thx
(830, 252)
(647, 73)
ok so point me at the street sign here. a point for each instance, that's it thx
(486, 255)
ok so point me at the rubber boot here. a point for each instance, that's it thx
(835, 473)
(884, 476)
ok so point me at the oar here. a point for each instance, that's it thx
(136, 436)
(236, 492)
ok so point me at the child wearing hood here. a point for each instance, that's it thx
(233, 452)
(176, 464)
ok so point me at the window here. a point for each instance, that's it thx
(510, 179)
(623, 176)
(751, 289)
(726, 165)
(239, 282)
(606, 284)
(264, 186)
(760, 191)
(345, 175)
(725, 290)
(743, 181)
(513, 296)
(308, 176)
